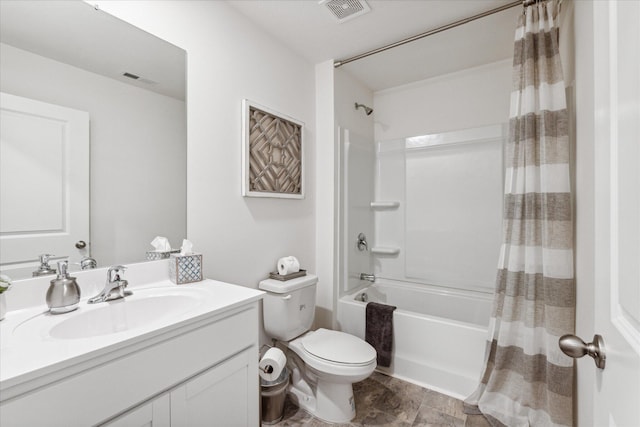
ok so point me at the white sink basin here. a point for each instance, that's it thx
(144, 308)
(120, 315)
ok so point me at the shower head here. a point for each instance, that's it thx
(366, 109)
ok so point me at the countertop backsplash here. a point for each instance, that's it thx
(31, 292)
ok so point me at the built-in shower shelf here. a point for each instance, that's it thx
(385, 250)
(385, 205)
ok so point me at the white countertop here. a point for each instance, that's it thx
(28, 353)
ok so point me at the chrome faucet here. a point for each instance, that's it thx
(114, 288)
(369, 277)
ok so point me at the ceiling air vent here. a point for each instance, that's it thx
(138, 78)
(344, 10)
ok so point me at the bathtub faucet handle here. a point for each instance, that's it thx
(369, 277)
(362, 242)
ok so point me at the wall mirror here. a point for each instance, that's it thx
(69, 71)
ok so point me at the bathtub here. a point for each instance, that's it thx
(439, 334)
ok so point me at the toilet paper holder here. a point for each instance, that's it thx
(267, 369)
(272, 363)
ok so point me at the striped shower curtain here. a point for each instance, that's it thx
(527, 380)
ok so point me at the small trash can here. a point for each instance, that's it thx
(273, 394)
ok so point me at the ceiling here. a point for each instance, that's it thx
(75, 33)
(307, 28)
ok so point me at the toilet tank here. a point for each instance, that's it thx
(289, 306)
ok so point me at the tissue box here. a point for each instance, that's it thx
(156, 255)
(185, 268)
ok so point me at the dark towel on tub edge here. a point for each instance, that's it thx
(379, 330)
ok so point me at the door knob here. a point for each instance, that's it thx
(574, 347)
(81, 244)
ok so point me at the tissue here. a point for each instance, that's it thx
(187, 247)
(161, 244)
(272, 364)
(288, 265)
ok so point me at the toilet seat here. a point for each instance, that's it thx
(338, 348)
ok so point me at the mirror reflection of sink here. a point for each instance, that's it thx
(144, 307)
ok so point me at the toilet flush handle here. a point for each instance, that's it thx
(288, 297)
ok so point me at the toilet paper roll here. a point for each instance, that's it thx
(288, 265)
(272, 364)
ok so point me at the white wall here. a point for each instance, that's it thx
(348, 90)
(465, 99)
(228, 59)
(132, 132)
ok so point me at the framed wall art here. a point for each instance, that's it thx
(272, 153)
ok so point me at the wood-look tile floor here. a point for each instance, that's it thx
(386, 401)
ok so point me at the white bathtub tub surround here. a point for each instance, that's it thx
(131, 358)
(449, 191)
(439, 335)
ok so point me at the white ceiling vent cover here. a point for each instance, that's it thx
(344, 10)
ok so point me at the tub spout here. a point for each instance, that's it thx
(369, 277)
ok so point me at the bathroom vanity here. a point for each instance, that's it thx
(167, 355)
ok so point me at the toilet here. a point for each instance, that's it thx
(324, 363)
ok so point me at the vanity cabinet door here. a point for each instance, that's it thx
(225, 395)
(156, 413)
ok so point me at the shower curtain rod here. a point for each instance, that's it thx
(342, 62)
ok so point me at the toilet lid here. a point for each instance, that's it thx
(338, 347)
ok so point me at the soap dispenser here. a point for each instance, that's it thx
(63, 295)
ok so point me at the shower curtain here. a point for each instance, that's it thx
(527, 380)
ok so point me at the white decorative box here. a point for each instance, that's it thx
(185, 268)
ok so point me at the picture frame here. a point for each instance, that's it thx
(272, 153)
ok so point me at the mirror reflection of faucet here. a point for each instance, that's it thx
(87, 263)
(114, 288)
(44, 269)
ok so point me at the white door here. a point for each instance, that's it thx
(617, 211)
(44, 182)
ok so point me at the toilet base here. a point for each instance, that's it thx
(332, 402)
(335, 402)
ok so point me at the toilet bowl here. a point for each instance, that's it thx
(324, 364)
(333, 361)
